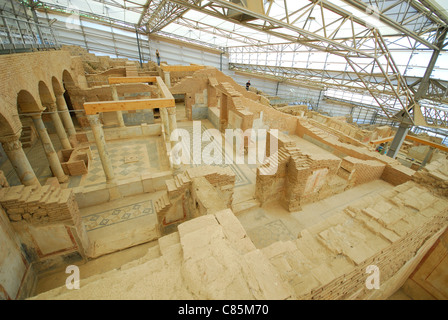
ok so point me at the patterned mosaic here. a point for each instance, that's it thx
(269, 233)
(129, 159)
(240, 178)
(117, 215)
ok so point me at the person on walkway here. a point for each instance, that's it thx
(247, 85)
(158, 57)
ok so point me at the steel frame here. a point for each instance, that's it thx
(363, 47)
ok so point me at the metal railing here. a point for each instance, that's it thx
(19, 35)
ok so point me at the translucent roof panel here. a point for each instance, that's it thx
(214, 30)
(127, 11)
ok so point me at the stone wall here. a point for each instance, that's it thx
(24, 71)
(199, 191)
(17, 278)
(211, 257)
(360, 171)
(394, 172)
(48, 223)
(301, 178)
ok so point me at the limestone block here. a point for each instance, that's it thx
(166, 241)
(173, 254)
(278, 248)
(304, 284)
(196, 224)
(244, 245)
(231, 225)
(390, 217)
(196, 242)
(268, 280)
(323, 274)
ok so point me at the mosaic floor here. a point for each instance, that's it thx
(272, 222)
(118, 215)
(241, 178)
(129, 159)
(269, 233)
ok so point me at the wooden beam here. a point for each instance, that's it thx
(182, 68)
(117, 80)
(127, 105)
(165, 92)
(379, 141)
(428, 143)
(416, 139)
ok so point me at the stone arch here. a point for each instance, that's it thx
(46, 96)
(5, 127)
(67, 80)
(26, 102)
(68, 85)
(57, 86)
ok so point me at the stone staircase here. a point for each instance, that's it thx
(177, 185)
(301, 160)
(26, 138)
(131, 70)
(162, 203)
(266, 169)
(212, 258)
(175, 188)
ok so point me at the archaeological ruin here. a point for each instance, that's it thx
(174, 181)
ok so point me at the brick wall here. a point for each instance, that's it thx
(23, 71)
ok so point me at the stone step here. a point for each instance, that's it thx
(245, 206)
(185, 178)
(152, 254)
(171, 185)
(168, 241)
(178, 182)
(162, 203)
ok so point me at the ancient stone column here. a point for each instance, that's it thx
(115, 98)
(167, 77)
(173, 126)
(65, 115)
(59, 127)
(51, 154)
(98, 133)
(19, 161)
(165, 122)
(172, 120)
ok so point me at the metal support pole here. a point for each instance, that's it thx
(428, 155)
(83, 33)
(138, 46)
(421, 92)
(36, 20)
(398, 140)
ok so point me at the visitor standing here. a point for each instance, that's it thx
(158, 57)
(247, 85)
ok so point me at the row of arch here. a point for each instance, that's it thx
(51, 98)
(26, 102)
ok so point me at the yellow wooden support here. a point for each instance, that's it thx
(117, 80)
(166, 100)
(182, 68)
(127, 105)
(416, 139)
